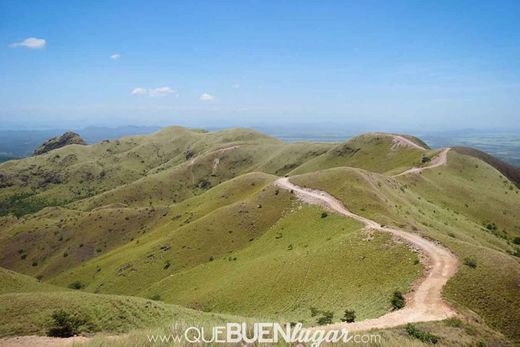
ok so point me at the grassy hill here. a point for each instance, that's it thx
(192, 218)
(450, 205)
(12, 282)
(375, 152)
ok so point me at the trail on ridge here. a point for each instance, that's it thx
(425, 302)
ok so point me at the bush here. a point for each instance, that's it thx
(471, 262)
(314, 311)
(516, 240)
(423, 336)
(156, 297)
(398, 301)
(324, 215)
(65, 324)
(326, 318)
(349, 316)
(76, 285)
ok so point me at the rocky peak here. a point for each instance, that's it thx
(68, 138)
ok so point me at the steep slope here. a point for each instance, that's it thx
(511, 172)
(56, 239)
(241, 230)
(299, 263)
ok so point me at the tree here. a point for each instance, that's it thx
(398, 301)
(326, 318)
(349, 316)
(65, 324)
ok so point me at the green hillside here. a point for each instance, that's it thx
(450, 205)
(192, 219)
(380, 153)
(12, 282)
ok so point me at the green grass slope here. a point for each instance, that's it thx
(193, 218)
(468, 206)
(374, 152)
(31, 313)
(303, 261)
(76, 172)
(260, 232)
(13, 282)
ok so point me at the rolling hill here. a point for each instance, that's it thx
(194, 219)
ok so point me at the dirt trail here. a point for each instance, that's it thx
(216, 161)
(439, 160)
(425, 302)
(400, 140)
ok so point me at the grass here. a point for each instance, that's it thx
(173, 217)
(450, 205)
(12, 282)
(31, 313)
(299, 263)
(373, 152)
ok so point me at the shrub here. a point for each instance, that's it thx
(423, 336)
(314, 311)
(425, 159)
(516, 240)
(76, 285)
(156, 297)
(326, 318)
(471, 262)
(167, 264)
(349, 316)
(398, 301)
(324, 215)
(65, 324)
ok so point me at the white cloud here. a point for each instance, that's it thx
(115, 56)
(139, 91)
(31, 42)
(207, 97)
(160, 91)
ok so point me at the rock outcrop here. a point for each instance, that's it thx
(68, 138)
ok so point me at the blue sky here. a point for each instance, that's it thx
(377, 64)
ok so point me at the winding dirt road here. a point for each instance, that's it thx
(439, 160)
(425, 303)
